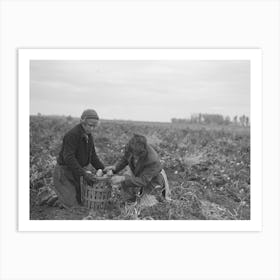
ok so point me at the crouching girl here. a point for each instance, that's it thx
(145, 176)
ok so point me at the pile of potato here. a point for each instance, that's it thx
(100, 174)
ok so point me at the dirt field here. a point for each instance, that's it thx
(208, 168)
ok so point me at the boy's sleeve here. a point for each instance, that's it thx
(95, 161)
(70, 144)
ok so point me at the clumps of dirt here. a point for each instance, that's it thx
(173, 210)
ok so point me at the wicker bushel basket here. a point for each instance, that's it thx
(96, 196)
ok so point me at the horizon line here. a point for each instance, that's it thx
(130, 120)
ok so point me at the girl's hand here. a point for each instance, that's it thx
(117, 179)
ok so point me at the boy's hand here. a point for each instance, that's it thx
(110, 173)
(89, 178)
(109, 168)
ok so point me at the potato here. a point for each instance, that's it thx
(99, 173)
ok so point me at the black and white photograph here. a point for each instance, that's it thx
(140, 139)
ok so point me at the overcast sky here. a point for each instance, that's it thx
(140, 90)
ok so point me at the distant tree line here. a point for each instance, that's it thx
(214, 119)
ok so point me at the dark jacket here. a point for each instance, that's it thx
(146, 171)
(78, 151)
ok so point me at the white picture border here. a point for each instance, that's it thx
(24, 58)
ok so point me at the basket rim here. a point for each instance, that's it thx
(103, 179)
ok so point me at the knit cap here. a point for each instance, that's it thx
(89, 114)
